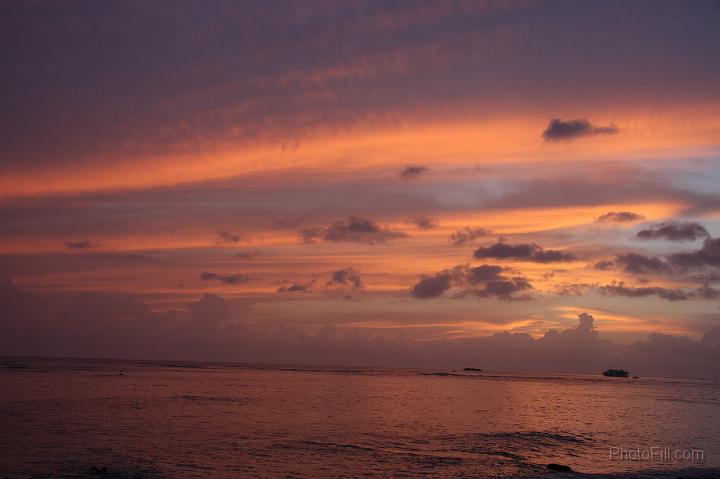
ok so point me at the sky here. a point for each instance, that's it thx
(521, 185)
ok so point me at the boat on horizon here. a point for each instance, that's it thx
(616, 373)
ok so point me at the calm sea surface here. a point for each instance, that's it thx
(62, 418)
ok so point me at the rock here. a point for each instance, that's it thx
(559, 468)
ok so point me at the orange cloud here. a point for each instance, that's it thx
(462, 139)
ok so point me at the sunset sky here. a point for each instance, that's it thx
(397, 173)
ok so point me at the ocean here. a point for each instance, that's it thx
(67, 418)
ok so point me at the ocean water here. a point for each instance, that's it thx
(72, 418)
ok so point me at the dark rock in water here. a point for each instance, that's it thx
(98, 470)
(559, 468)
(472, 369)
(616, 373)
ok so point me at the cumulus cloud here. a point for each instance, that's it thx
(237, 278)
(586, 322)
(83, 244)
(112, 326)
(674, 231)
(354, 229)
(224, 236)
(467, 235)
(603, 265)
(412, 171)
(707, 255)
(570, 129)
(345, 277)
(480, 274)
(505, 288)
(482, 281)
(635, 263)
(423, 222)
(619, 217)
(525, 252)
(432, 286)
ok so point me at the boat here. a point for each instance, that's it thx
(477, 370)
(616, 373)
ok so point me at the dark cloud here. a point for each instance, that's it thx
(227, 237)
(237, 278)
(570, 129)
(571, 289)
(354, 229)
(345, 277)
(294, 288)
(707, 292)
(423, 222)
(113, 326)
(309, 235)
(482, 281)
(705, 277)
(345, 281)
(635, 263)
(526, 252)
(619, 217)
(467, 235)
(586, 323)
(708, 255)
(210, 310)
(432, 286)
(505, 288)
(412, 171)
(483, 273)
(603, 265)
(620, 289)
(84, 244)
(674, 231)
